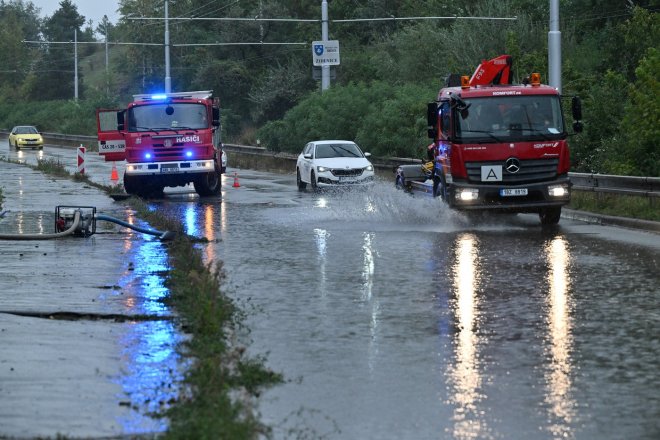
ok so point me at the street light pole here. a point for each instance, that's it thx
(325, 69)
(75, 63)
(168, 78)
(554, 47)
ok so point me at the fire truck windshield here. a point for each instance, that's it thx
(167, 116)
(510, 118)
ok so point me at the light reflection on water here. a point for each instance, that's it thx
(465, 375)
(151, 364)
(561, 405)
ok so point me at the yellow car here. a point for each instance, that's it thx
(24, 136)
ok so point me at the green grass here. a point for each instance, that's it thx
(221, 382)
(616, 205)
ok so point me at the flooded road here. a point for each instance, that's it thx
(393, 318)
(87, 346)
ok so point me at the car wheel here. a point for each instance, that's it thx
(550, 216)
(301, 185)
(312, 180)
(399, 183)
(16, 147)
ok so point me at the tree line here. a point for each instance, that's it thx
(389, 69)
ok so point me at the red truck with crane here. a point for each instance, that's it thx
(167, 140)
(496, 145)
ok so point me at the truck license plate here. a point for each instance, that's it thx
(513, 192)
(169, 168)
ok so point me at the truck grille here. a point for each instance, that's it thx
(534, 170)
(347, 172)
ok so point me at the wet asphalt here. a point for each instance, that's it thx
(86, 345)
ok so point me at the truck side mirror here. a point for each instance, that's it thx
(216, 117)
(576, 106)
(432, 114)
(577, 126)
(120, 121)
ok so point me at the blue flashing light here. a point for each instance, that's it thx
(147, 155)
(159, 96)
(188, 153)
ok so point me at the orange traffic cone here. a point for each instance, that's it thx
(114, 175)
(236, 184)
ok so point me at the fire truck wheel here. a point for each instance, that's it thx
(208, 184)
(131, 184)
(550, 216)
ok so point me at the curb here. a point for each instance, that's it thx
(601, 219)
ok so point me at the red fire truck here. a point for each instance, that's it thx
(167, 140)
(496, 145)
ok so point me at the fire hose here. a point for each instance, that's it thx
(69, 231)
(163, 236)
(81, 222)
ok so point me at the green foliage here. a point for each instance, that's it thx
(384, 119)
(603, 43)
(55, 116)
(640, 128)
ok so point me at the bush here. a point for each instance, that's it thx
(384, 119)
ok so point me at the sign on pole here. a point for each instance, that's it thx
(81, 159)
(325, 53)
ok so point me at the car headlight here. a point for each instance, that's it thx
(369, 167)
(321, 169)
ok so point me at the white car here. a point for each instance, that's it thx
(333, 163)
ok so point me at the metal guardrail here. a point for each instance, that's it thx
(621, 185)
(648, 187)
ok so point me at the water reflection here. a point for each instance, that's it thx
(465, 377)
(191, 213)
(368, 269)
(150, 371)
(561, 405)
(368, 266)
(321, 240)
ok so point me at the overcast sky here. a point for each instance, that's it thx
(90, 9)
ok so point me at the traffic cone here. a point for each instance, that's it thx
(236, 184)
(114, 175)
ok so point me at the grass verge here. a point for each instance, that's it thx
(222, 382)
(615, 205)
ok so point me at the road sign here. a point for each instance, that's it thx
(316, 72)
(325, 53)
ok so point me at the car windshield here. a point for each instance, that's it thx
(26, 130)
(507, 118)
(325, 151)
(164, 116)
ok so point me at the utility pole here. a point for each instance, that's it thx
(168, 78)
(554, 47)
(325, 69)
(75, 63)
(107, 64)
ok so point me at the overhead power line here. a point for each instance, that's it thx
(117, 43)
(315, 20)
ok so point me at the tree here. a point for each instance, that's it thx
(55, 78)
(18, 21)
(638, 153)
